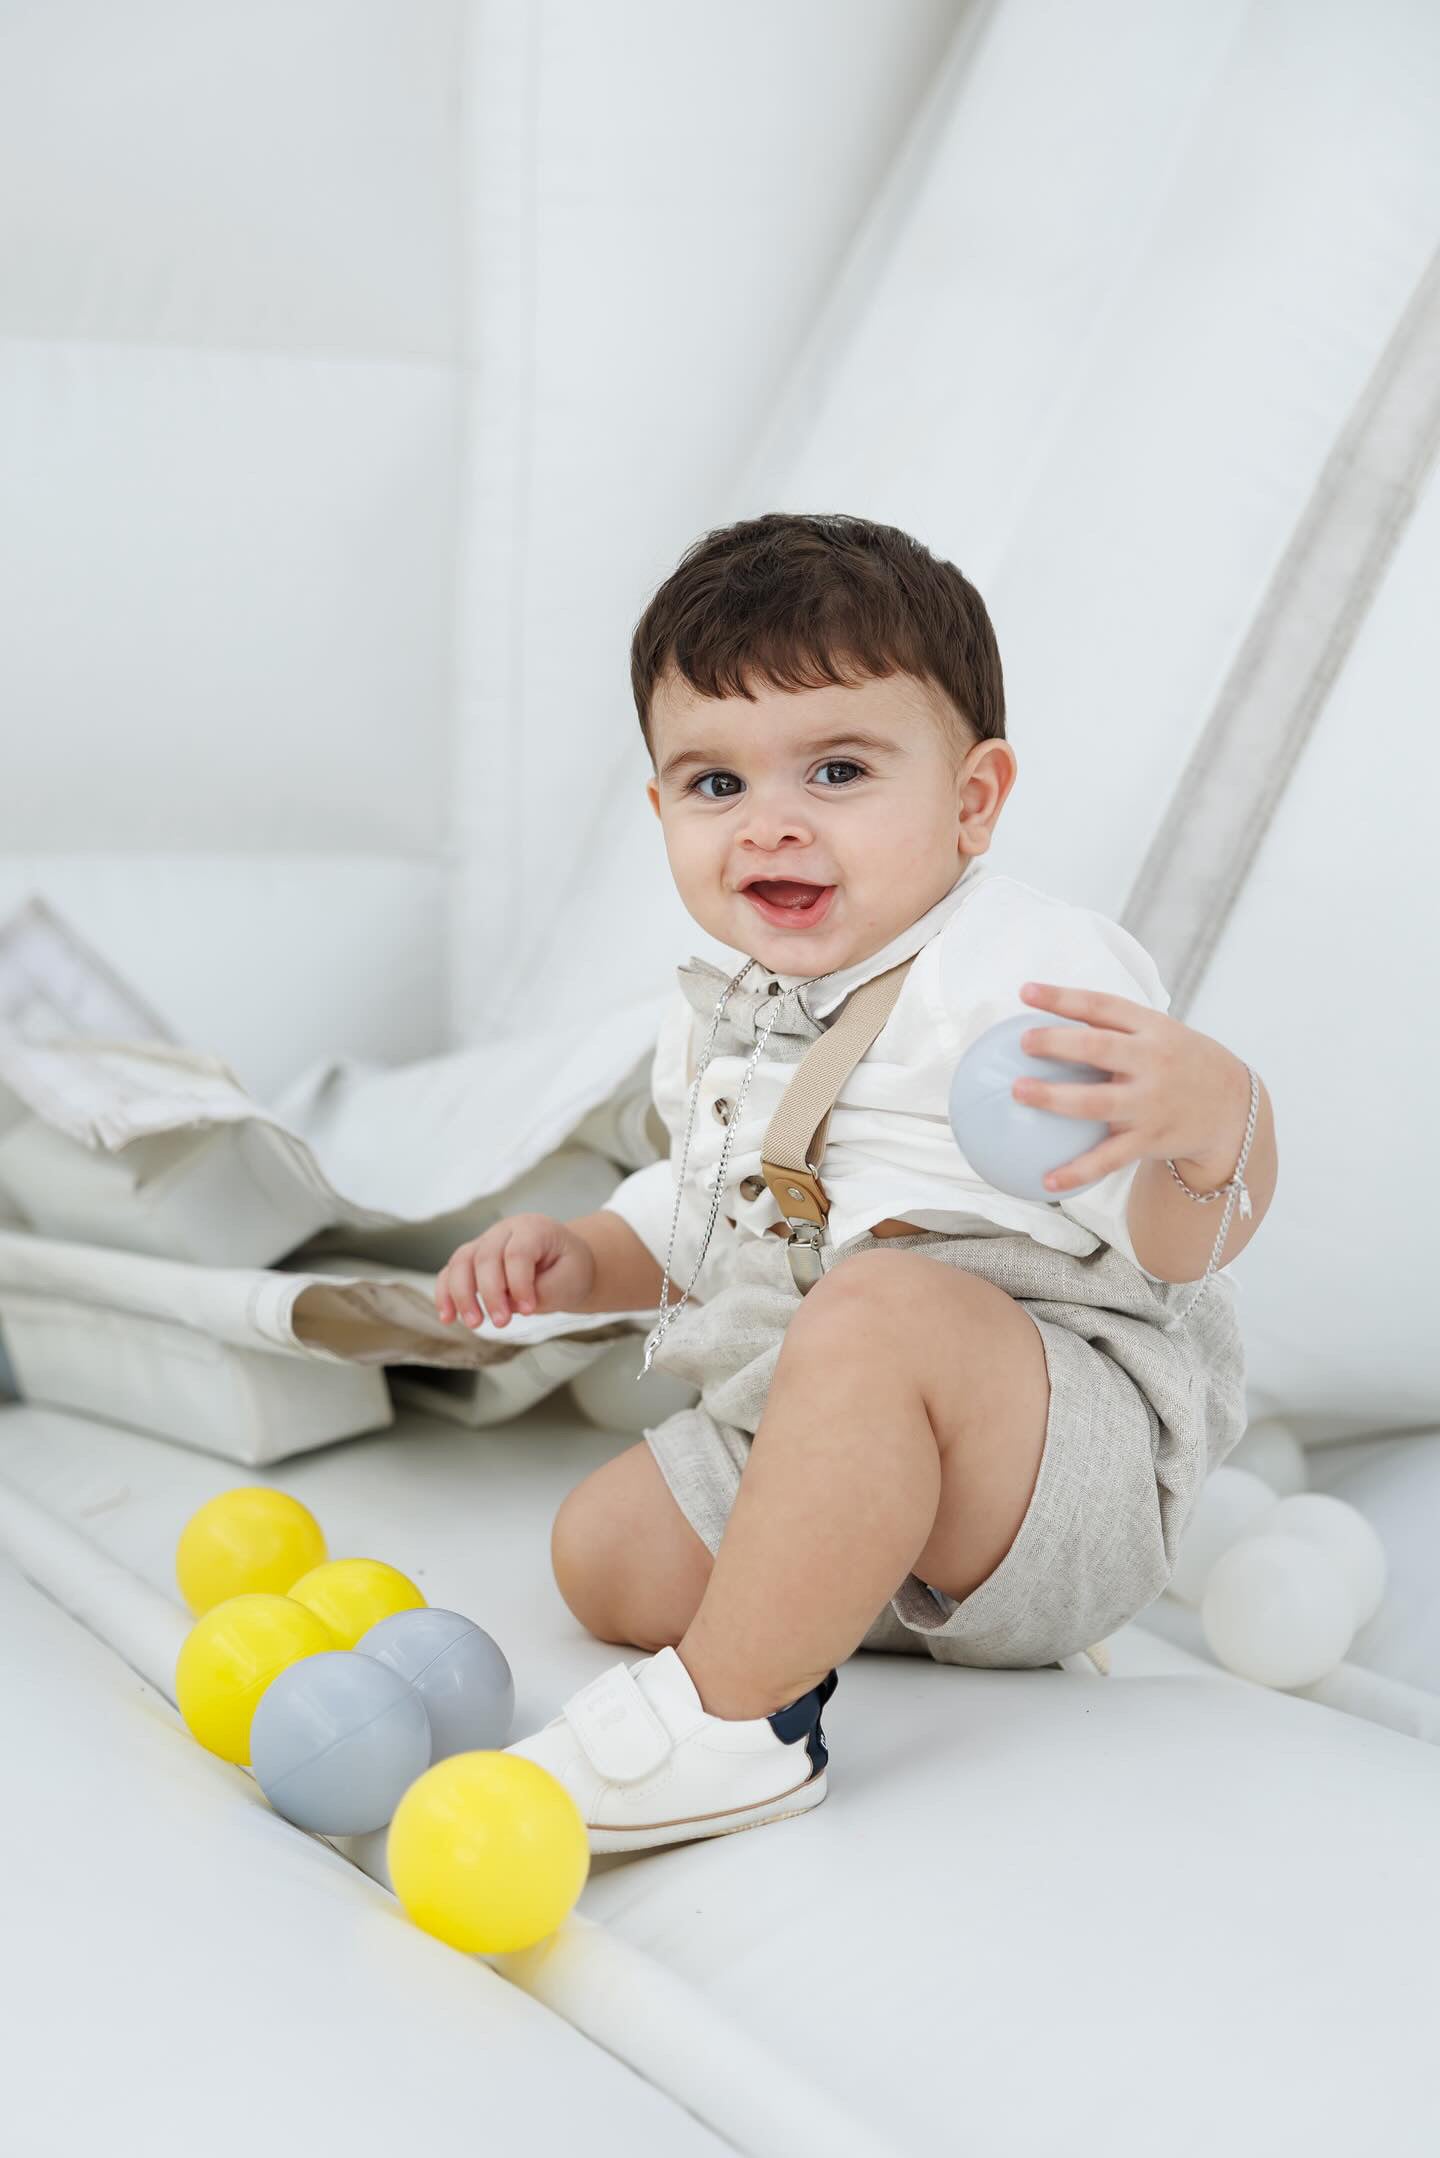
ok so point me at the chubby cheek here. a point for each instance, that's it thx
(694, 857)
(901, 876)
(897, 854)
(697, 865)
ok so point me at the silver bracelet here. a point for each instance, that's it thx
(1235, 1184)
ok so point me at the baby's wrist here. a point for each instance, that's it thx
(624, 1275)
(1206, 1172)
(1214, 1164)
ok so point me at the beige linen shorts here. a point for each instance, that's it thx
(1137, 1420)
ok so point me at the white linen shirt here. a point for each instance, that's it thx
(890, 1151)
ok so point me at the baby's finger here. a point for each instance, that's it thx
(1097, 1100)
(1088, 1168)
(445, 1298)
(462, 1282)
(520, 1274)
(490, 1281)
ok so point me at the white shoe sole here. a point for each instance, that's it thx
(655, 1834)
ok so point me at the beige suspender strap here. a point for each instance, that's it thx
(794, 1141)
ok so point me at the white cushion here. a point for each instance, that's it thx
(158, 1375)
(162, 1907)
(1043, 1895)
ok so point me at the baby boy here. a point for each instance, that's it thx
(933, 1417)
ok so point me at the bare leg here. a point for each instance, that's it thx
(849, 1484)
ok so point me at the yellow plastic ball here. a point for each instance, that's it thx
(229, 1657)
(488, 1851)
(250, 1541)
(352, 1595)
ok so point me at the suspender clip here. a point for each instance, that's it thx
(802, 1249)
(804, 1201)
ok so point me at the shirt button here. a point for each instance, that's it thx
(721, 1108)
(752, 1186)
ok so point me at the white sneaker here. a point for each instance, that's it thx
(647, 1765)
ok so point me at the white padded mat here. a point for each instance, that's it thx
(1167, 1873)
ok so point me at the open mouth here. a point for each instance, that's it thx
(788, 904)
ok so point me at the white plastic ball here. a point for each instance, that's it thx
(606, 1391)
(1271, 1451)
(1335, 1526)
(1278, 1610)
(1232, 1504)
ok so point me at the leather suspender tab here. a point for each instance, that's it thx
(799, 1193)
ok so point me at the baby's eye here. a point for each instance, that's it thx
(846, 763)
(697, 784)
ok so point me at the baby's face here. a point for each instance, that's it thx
(853, 793)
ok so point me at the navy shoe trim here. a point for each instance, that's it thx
(802, 1720)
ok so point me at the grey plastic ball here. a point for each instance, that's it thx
(1015, 1144)
(458, 1671)
(337, 1741)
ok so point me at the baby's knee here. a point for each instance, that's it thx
(580, 1545)
(625, 1559)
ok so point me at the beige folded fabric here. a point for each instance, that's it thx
(259, 1364)
(180, 1257)
(333, 1308)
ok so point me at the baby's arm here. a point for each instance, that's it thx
(1178, 1094)
(627, 1274)
(1174, 1236)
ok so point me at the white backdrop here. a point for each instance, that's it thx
(364, 366)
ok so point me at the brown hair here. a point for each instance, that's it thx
(801, 601)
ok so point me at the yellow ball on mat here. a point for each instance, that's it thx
(488, 1851)
(229, 1657)
(352, 1595)
(250, 1541)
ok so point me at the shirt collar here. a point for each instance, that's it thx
(821, 994)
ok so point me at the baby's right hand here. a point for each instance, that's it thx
(527, 1262)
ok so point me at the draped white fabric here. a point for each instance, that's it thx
(363, 371)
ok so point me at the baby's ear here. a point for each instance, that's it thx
(654, 793)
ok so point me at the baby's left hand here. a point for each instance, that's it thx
(1175, 1094)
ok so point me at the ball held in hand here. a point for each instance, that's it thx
(1013, 1144)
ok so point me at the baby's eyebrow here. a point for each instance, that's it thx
(853, 738)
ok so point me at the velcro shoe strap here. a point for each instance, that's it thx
(616, 1728)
